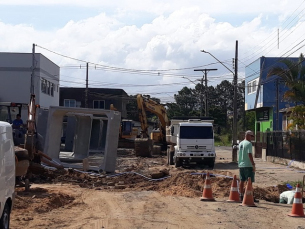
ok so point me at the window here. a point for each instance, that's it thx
(52, 89)
(43, 86)
(69, 103)
(252, 86)
(249, 85)
(47, 87)
(99, 104)
(78, 103)
(196, 132)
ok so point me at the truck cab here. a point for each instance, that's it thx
(192, 141)
(7, 173)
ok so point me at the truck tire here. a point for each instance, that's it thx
(168, 154)
(211, 164)
(5, 218)
(27, 185)
(177, 162)
(170, 157)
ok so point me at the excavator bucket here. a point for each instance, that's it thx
(143, 147)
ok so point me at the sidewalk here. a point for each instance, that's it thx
(267, 173)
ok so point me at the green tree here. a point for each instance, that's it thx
(132, 108)
(293, 75)
(250, 120)
(187, 100)
(298, 117)
(225, 93)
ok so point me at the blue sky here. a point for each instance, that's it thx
(152, 35)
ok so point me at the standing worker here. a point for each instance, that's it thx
(245, 162)
(17, 123)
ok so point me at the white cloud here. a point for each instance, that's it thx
(173, 39)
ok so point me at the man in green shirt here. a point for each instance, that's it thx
(245, 161)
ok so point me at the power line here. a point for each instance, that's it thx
(261, 49)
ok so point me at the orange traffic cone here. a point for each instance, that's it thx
(207, 190)
(248, 199)
(297, 206)
(234, 196)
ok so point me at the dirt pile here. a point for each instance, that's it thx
(180, 183)
(270, 194)
(40, 200)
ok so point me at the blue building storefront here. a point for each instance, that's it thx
(264, 94)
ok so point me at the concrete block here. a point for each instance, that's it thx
(287, 162)
(108, 137)
(82, 137)
(264, 154)
(85, 164)
(69, 133)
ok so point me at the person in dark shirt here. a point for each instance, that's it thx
(17, 123)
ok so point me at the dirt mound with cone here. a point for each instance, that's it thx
(180, 183)
(186, 184)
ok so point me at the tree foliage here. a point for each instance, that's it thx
(132, 108)
(293, 75)
(298, 117)
(190, 102)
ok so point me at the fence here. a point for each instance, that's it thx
(259, 142)
(286, 144)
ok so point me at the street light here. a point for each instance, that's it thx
(201, 105)
(190, 80)
(234, 131)
(218, 60)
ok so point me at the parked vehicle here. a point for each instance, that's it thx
(7, 173)
(191, 141)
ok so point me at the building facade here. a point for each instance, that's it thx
(15, 77)
(264, 95)
(97, 98)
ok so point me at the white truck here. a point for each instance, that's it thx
(190, 141)
(7, 173)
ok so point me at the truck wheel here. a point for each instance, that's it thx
(27, 185)
(171, 157)
(5, 218)
(167, 153)
(211, 164)
(177, 162)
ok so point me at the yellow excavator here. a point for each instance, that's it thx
(145, 145)
(127, 132)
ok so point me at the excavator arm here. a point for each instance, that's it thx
(146, 104)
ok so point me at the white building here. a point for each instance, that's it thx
(15, 79)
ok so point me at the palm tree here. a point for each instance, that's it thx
(294, 77)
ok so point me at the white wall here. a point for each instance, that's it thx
(15, 87)
(15, 78)
(50, 72)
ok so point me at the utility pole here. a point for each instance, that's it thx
(234, 132)
(206, 70)
(201, 98)
(86, 91)
(206, 94)
(277, 105)
(33, 71)
(234, 128)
